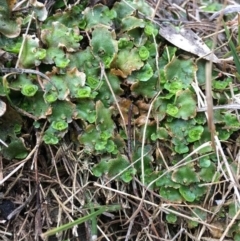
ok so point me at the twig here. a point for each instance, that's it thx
(28, 71)
(21, 207)
(24, 39)
(129, 139)
(227, 10)
(25, 113)
(209, 100)
(114, 96)
(230, 106)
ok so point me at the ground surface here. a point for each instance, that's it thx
(139, 119)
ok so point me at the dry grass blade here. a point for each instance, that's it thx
(209, 101)
(114, 96)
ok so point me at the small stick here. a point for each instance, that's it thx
(27, 71)
(129, 141)
(229, 106)
(21, 207)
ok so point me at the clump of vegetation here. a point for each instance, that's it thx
(127, 110)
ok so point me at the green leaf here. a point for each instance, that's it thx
(123, 10)
(145, 88)
(171, 218)
(187, 194)
(181, 148)
(131, 22)
(101, 168)
(105, 135)
(85, 110)
(145, 73)
(147, 159)
(204, 162)
(62, 110)
(172, 110)
(213, 7)
(70, 18)
(104, 45)
(143, 7)
(182, 71)
(186, 103)
(13, 47)
(197, 213)
(143, 53)
(233, 209)
(20, 81)
(32, 54)
(207, 173)
(50, 138)
(98, 16)
(127, 176)
(137, 37)
(170, 194)
(237, 237)
(150, 30)
(57, 56)
(223, 134)
(178, 129)
(233, 49)
(85, 62)
(231, 121)
(93, 82)
(126, 62)
(111, 14)
(84, 92)
(59, 125)
(124, 43)
(221, 85)
(59, 35)
(17, 128)
(29, 90)
(185, 175)
(111, 147)
(199, 191)
(61, 85)
(166, 181)
(173, 87)
(168, 55)
(103, 118)
(161, 134)
(50, 97)
(16, 149)
(116, 165)
(195, 133)
(104, 93)
(8, 27)
(100, 145)
(89, 138)
(75, 80)
(36, 105)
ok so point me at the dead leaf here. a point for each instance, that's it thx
(187, 40)
(125, 105)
